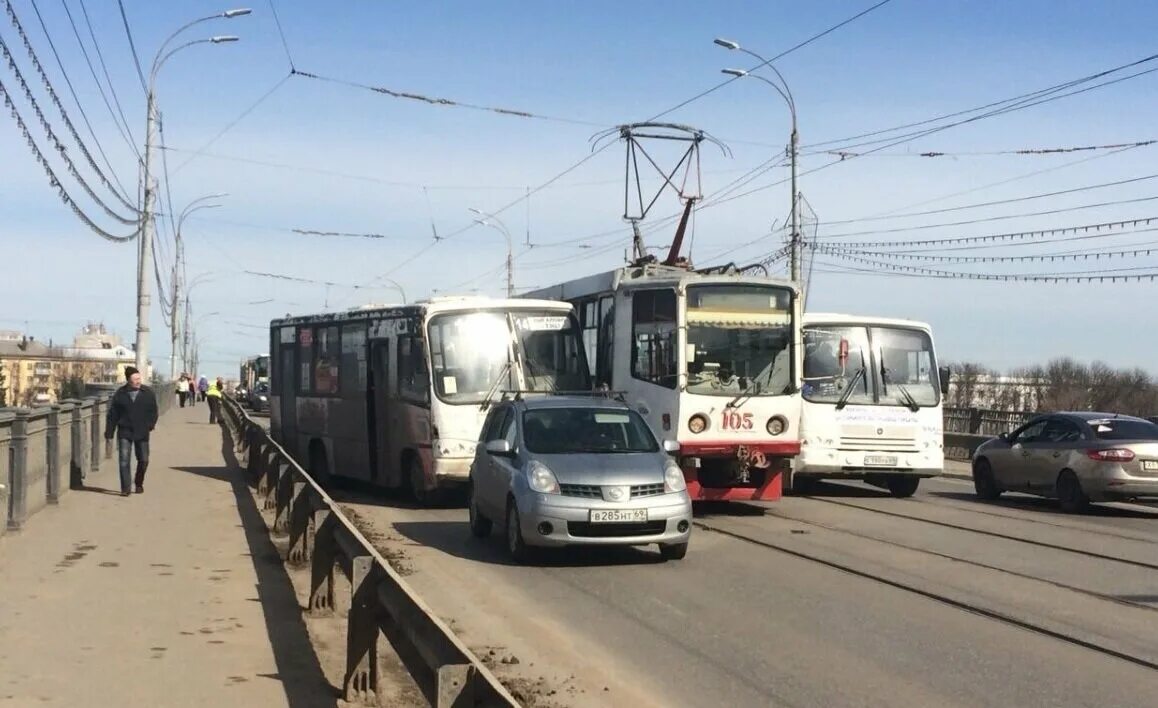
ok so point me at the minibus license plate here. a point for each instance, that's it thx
(880, 460)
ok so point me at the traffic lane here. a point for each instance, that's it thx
(1058, 564)
(1114, 625)
(1100, 531)
(735, 624)
(1129, 517)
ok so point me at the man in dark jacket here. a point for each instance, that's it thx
(132, 416)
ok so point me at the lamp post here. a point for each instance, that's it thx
(145, 249)
(493, 222)
(178, 273)
(794, 145)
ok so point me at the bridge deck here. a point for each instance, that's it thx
(171, 598)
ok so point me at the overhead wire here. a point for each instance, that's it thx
(1066, 276)
(55, 98)
(281, 33)
(54, 181)
(1002, 237)
(75, 98)
(132, 46)
(117, 113)
(57, 144)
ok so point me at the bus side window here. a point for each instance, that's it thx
(413, 379)
(603, 366)
(653, 329)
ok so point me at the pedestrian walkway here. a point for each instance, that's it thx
(174, 597)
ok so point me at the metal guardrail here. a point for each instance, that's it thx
(983, 421)
(380, 600)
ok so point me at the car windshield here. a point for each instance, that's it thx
(261, 388)
(1124, 429)
(561, 431)
(739, 340)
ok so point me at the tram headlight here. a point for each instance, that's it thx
(698, 423)
(777, 424)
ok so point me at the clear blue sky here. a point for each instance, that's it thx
(602, 63)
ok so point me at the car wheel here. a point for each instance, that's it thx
(983, 482)
(480, 526)
(1070, 496)
(673, 551)
(902, 486)
(520, 552)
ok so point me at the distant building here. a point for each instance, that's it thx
(994, 392)
(36, 373)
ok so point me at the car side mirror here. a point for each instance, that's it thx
(671, 446)
(944, 373)
(500, 448)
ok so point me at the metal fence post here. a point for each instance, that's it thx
(322, 565)
(53, 478)
(299, 524)
(282, 495)
(361, 682)
(974, 421)
(78, 468)
(98, 419)
(17, 480)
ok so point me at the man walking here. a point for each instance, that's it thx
(132, 416)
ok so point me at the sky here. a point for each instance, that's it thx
(327, 155)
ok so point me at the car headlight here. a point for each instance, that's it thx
(542, 479)
(263, 398)
(673, 478)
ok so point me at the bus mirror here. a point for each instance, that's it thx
(944, 373)
(671, 446)
(843, 352)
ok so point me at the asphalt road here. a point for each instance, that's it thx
(846, 598)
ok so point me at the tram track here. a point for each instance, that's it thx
(935, 596)
(957, 559)
(995, 534)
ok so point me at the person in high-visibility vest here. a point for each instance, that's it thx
(213, 396)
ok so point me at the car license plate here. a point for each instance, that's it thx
(880, 460)
(617, 516)
(1150, 464)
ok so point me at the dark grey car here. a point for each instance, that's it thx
(563, 471)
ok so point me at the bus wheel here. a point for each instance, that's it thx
(417, 478)
(902, 486)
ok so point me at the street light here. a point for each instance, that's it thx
(178, 265)
(499, 226)
(145, 248)
(786, 94)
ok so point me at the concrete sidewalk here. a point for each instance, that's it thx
(175, 597)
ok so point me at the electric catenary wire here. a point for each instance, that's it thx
(122, 125)
(52, 137)
(1109, 275)
(1002, 237)
(53, 179)
(15, 20)
(132, 46)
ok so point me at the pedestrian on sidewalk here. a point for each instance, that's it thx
(203, 387)
(192, 392)
(182, 389)
(213, 396)
(131, 418)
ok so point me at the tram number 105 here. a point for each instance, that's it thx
(731, 420)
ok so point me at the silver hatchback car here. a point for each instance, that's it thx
(569, 470)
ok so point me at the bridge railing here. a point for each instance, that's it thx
(380, 600)
(40, 446)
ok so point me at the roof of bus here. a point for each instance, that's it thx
(431, 306)
(811, 318)
(640, 275)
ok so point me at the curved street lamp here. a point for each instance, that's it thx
(493, 222)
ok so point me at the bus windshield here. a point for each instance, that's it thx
(739, 340)
(471, 354)
(884, 365)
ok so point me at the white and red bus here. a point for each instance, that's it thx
(711, 359)
(396, 395)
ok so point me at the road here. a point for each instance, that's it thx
(847, 597)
